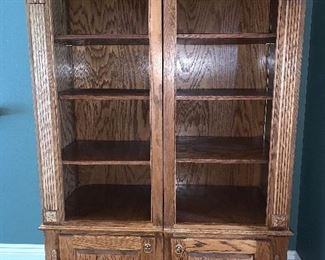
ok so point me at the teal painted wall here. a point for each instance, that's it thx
(311, 227)
(19, 188)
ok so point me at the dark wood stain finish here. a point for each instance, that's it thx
(102, 39)
(220, 204)
(172, 142)
(227, 150)
(109, 203)
(104, 94)
(107, 152)
(223, 94)
(231, 38)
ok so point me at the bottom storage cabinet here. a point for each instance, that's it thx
(107, 248)
(218, 249)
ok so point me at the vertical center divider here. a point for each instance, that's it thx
(169, 43)
(155, 74)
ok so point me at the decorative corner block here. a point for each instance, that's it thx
(50, 217)
(279, 221)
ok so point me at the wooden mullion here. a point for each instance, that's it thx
(170, 41)
(156, 70)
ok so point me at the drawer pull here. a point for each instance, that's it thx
(179, 249)
(147, 248)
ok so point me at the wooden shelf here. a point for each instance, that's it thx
(109, 203)
(107, 153)
(223, 94)
(104, 94)
(220, 205)
(225, 150)
(102, 39)
(233, 38)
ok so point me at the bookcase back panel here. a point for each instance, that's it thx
(223, 16)
(112, 120)
(221, 66)
(222, 174)
(123, 67)
(114, 174)
(224, 118)
(67, 120)
(108, 16)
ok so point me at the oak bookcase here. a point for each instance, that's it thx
(166, 128)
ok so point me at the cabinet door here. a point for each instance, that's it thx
(213, 249)
(106, 248)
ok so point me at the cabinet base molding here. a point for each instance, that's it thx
(36, 252)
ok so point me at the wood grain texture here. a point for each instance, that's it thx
(46, 113)
(223, 16)
(221, 66)
(285, 109)
(113, 17)
(224, 231)
(156, 108)
(223, 119)
(213, 249)
(107, 153)
(169, 107)
(104, 94)
(85, 227)
(222, 246)
(52, 250)
(112, 67)
(109, 247)
(227, 205)
(223, 38)
(222, 174)
(280, 248)
(114, 174)
(100, 247)
(223, 94)
(226, 150)
(264, 250)
(98, 120)
(222, 257)
(123, 203)
(102, 39)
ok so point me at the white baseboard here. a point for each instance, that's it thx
(293, 255)
(36, 252)
(21, 252)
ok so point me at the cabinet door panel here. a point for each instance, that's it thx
(105, 257)
(222, 258)
(106, 248)
(213, 249)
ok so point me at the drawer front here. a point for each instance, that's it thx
(106, 248)
(213, 249)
